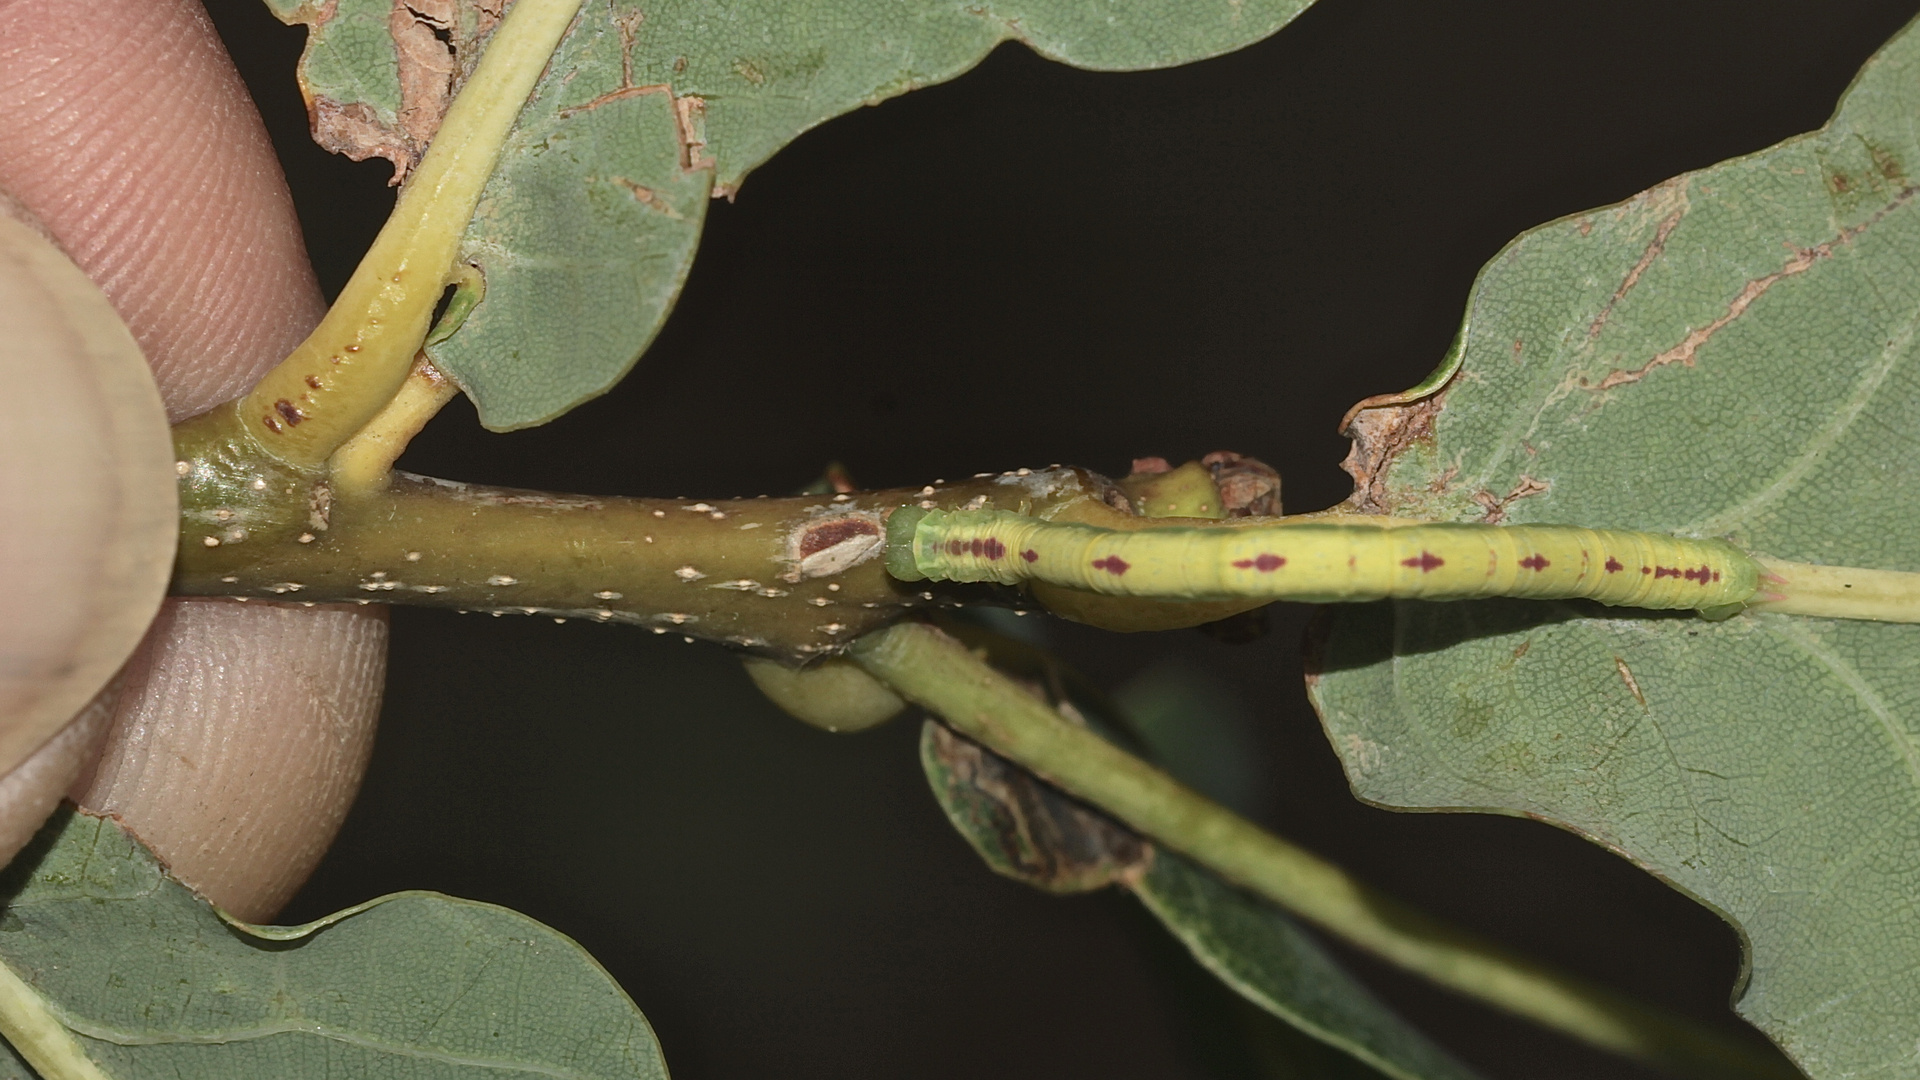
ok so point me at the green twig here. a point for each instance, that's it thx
(933, 670)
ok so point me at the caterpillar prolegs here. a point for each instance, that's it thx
(1319, 562)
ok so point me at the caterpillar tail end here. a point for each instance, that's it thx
(901, 526)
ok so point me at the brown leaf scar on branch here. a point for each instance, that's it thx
(320, 506)
(833, 545)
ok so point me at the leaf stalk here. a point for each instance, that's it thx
(354, 362)
(1838, 592)
(937, 672)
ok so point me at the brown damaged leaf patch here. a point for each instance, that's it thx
(1380, 434)
(427, 67)
(1248, 486)
(1496, 508)
(1023, 827)
(1802, 261)
(435, 48)
(1671, 192)
(689, 111)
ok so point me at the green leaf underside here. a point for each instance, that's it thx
(1260, 952)
(1028, 831)
(1729, 354)
(417, 985)
(581, 266)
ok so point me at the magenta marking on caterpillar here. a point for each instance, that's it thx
(1112, 564)
(1266, 563)
(1613, 565)
(980, 547)
(1427, 562)
(1030, 555)
(1535, 562)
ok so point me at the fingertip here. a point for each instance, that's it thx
(88, 513)
(149, 164)
(31, 791)
(240, 742)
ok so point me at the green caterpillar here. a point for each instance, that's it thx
(1321, 562)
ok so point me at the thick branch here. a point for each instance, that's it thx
(787, 577)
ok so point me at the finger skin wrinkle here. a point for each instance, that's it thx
(228, 702)
(148, 169)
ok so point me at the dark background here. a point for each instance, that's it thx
(1030, 265)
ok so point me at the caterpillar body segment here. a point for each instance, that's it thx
(1319, 562)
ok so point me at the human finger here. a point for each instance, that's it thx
(150, 166)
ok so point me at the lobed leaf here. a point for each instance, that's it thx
(154, 982)
(1728, 354)
(590, 223)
